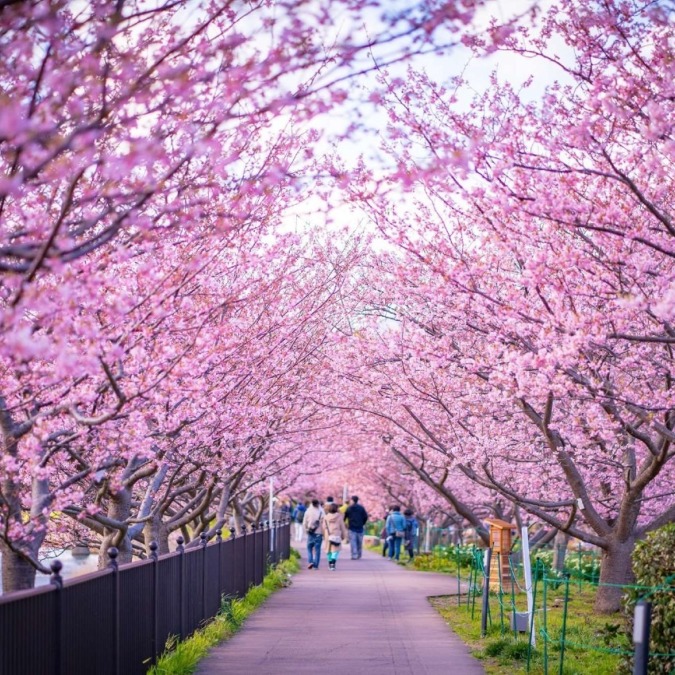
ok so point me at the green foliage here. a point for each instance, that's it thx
(181, 658)
(445, 558)
(591, 643)
(654, 566)
(584, 565)
(496, 647)
(516, 651)
(609, 633)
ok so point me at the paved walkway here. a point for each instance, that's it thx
(369, 616)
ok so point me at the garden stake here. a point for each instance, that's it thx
(501, 590)
(468, 594)
(564, 624)
(475, 589)
(512, 575)
(471, 570)
(545, 636)
(458, 590)
(534, 604)
(485, 607)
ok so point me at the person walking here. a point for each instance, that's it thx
(356, 517)
(396, 531)
(411, 531)
(285, 511)
(384, 535)
(312, 523)
(335, 531)
(298, 519)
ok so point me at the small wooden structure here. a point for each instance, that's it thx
(500, 543)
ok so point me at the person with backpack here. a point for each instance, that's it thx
(356, 517)
(335, 530)
(411, 530)
(298, 519)
(395, 526)
(313, 524)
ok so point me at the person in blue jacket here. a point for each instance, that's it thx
(395, 525)
(411, 529)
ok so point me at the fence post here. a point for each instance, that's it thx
(478, 561)
(244, 560)
(219, 541)
(486, 592)
(181, 574)
(501, 591)
(459, 587)
(642, 621)
(512, 575)
(112, 554)
(564, 624)
(203, 542)
(531, 642)
(57, 581)
(545, 622)
(255, 527)
(155, 598)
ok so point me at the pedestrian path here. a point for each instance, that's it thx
(369, 616)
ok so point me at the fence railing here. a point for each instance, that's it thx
(117, 621)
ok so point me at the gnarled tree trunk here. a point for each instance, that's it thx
(616, 569)
(119, 510)
(156, 530)
(17, 573)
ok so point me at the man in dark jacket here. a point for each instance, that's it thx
(356, 518)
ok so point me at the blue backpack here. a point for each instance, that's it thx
(299, 513)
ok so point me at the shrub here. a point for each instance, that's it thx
(654, 566)
(496, 647)
(445, 558)
(516, 651)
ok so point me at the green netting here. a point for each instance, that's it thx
(557, 598)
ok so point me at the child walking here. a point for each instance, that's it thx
(335, 531)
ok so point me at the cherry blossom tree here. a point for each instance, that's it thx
(534, 289)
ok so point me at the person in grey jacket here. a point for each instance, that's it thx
(395, 526)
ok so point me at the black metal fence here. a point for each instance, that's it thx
(116, 621)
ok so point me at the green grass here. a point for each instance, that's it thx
(588, 640)
(181, 658)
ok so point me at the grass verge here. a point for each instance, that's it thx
(181, 658)
(589, 637)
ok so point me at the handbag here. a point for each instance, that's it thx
(399, 533)
(335, 539)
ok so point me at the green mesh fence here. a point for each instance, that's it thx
(567, 631)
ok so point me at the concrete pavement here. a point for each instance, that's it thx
(369, 616)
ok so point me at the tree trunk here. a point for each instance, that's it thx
(560, 550)
(615, 569)
(156, 530)
(119, 510)
(17, 573)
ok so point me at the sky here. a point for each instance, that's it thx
(455, 61)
